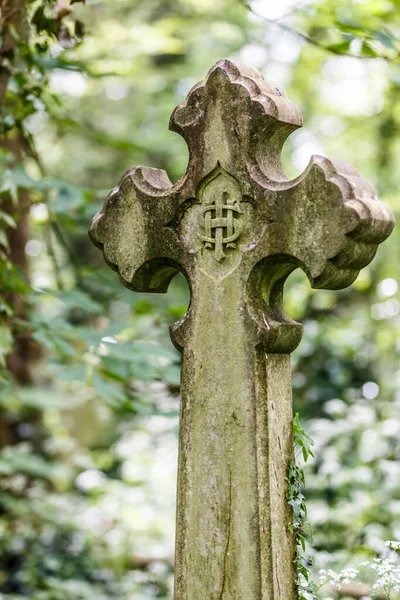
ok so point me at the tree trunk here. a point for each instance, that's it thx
(19, 361)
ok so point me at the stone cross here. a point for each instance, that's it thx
(236, 227)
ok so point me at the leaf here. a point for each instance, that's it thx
(63, 347)
(22, 180)
(385, 39)
(40, 21)
(9, 186)
(7, 219)
(52, 341)
(6, 343)
(302, 439)
(6, 309)
(17, 459)
(43, 338)
(71, 372)
(367, 50)
(109, 393)
(4, 240)
(41, 398)
(69, 197)
(90, 337)
(349, 25)
(340, 48)
(138, 349)
(76, 298)
(116, 369)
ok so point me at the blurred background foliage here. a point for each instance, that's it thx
(89, 381)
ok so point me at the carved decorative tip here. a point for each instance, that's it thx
(92, 230)
(95, 229)
(371, 221)
(250, 93)
(236, 71)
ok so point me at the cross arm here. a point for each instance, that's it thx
(329, 223)
(364, 223)
(133, 231)
(329, 220)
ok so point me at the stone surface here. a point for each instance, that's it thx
(236, 227)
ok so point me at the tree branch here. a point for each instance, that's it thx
(306, 37)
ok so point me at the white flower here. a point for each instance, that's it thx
(337, 579)
(388, 573)
(393, 545)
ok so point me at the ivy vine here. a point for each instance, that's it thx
(299, 524)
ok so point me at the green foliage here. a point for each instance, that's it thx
(302, 439)
(299, 523)
(25, 60)
(362, 30)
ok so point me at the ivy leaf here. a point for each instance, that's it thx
(302, 439)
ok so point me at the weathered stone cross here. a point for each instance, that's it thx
(236, 227)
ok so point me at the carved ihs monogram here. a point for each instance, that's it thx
(220, 196)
